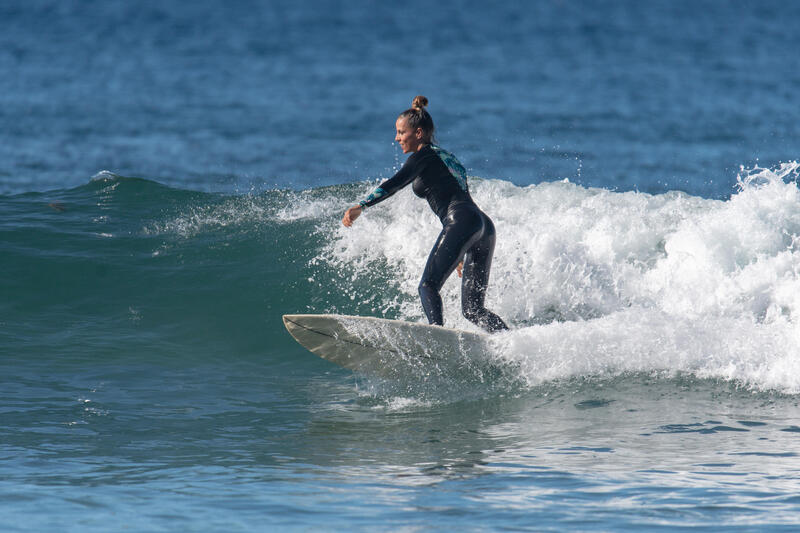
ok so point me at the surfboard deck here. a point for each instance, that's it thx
(390, 348)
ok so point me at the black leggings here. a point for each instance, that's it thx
(469, 234)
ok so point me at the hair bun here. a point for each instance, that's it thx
(419, 102)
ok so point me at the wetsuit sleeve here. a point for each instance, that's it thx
(403, 177)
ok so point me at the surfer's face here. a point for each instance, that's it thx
(408, 139)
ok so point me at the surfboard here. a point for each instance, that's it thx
(391, 348)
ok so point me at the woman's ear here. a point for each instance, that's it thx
(419, 134)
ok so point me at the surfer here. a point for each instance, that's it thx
(467, 235)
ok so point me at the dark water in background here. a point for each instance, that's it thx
(146, 381)
(649, 96)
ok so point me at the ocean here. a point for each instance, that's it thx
(172, 181)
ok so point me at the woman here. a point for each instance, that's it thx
(467, 232)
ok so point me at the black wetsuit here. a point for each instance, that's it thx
(467, 233)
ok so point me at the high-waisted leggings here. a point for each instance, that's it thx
(469, 234)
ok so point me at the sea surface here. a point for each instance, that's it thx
(172, 180)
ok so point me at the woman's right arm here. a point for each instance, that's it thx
(386, 189)
(351, 215)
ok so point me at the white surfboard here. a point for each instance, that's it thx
(392, 348)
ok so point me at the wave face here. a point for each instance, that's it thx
(595, 283)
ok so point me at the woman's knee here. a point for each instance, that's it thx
(427, 287)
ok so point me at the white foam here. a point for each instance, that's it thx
(402, 403)
(603, 282)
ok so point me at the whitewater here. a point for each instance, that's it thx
(597, 282)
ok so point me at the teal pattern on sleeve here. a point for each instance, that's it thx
(454, 165)
(375, 195)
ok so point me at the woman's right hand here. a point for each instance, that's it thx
(351, 215)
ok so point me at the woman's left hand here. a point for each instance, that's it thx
(351, 215)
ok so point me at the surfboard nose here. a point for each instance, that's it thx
(290, 322)
(299, 326)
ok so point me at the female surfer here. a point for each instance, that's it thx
(467, 233)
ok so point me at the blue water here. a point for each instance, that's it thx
(172, 176)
